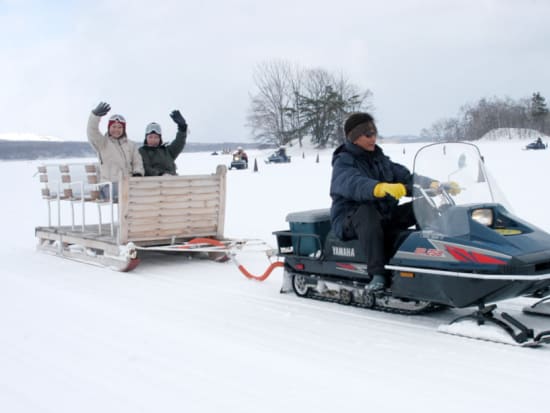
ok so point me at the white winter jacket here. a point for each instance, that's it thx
(116, 156)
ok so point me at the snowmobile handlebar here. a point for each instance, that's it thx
(444, 190)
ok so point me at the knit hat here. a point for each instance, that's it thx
(153, 127)
(357, 124)
(118, 119)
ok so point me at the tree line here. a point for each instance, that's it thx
(475, 120)
(293, 102)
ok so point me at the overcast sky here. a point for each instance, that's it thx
(422, 59)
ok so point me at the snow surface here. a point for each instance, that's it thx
(179, 335)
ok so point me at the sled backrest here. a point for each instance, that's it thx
(167, 209)
(69, 181)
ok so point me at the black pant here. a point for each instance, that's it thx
(377, 234)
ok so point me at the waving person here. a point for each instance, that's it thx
(118, 156)
(159, 158)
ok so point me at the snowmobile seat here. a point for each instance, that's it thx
(308, 230)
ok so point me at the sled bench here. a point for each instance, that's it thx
(151, 211)
(73, 183)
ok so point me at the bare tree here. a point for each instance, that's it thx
(356, 100)
(292, 103)
(268, 114)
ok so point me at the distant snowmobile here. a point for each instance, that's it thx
(468, 251)
(238, 162)
(280, 156)
(538, 144)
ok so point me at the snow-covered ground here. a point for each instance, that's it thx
(178, 335)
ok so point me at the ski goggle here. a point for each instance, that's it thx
(117, 118)
(153, 128)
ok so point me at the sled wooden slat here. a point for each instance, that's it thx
(179, 192)
(139, 215)
(170, 233)
(167, 199)
(175, 223)
(174, 182)
(137, 211)
(156, 222)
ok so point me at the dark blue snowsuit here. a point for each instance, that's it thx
(357, 213)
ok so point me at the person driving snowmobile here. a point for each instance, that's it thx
(241, 154)
(365, 189)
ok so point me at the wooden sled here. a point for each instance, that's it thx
(165, 213)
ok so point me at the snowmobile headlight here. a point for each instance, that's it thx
(483, 216)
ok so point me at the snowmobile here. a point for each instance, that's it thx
(467, 250)
(278, 157)
(238, 162)
(538, 144)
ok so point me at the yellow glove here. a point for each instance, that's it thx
(395, 190)
(453, 188)
(434, 185)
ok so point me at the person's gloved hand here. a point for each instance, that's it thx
(396, 190)
(101, 109)
(180, 121)
(435, 185)
(453, 188)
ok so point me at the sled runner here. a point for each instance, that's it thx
(183, 214)
(467, 250)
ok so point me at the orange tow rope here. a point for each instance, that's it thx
(262, 277)
(246, 273)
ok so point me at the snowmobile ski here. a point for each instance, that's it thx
(484, 324)
(541, 307)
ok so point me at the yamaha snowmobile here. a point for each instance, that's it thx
(467, 250)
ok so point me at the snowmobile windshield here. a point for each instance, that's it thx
(463, 180)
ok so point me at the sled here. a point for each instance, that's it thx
(183, 214)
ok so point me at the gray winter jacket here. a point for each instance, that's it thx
(116, 156)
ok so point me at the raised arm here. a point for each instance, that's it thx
(95, 137)
(176, 146)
